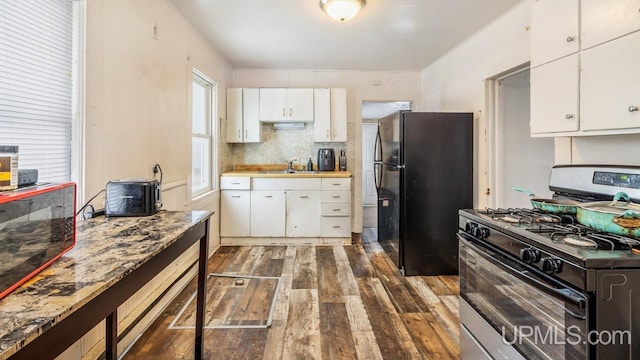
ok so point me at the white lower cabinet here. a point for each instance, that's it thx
(268, 213)
(303, 214)
(235, 208)
(336, 207)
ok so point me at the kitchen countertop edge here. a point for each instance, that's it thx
(257, 174)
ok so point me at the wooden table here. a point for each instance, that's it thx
(112, 259)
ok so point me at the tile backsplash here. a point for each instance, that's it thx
(279, 146)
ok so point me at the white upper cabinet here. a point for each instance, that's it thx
(604, 20)
(601, 78)
(610, 97)
(243, 121)
(286, 105)
(554, 96)
(554, 30)
(330, 111)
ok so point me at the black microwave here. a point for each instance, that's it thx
(37, 226)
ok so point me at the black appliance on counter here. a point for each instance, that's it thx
(132, 197)
(537, 285)
(326, 159)
(424, 175)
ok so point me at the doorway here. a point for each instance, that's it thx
(517, 158)
(372, 111)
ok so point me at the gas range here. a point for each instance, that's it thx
(528, 272)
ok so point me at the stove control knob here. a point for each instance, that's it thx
(551, 265)
(484, 233)
(530, 255)
(470, 228)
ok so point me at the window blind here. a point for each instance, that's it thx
(36, 84)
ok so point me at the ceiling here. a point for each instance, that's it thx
(392, 35)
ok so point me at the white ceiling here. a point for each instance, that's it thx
(400, 35)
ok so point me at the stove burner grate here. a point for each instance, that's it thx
(562, 228)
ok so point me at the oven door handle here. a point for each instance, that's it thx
(565, 294)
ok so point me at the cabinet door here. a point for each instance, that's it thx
(554, 30)
(273, 104)
(251, 115)
(554, 96)
(234, 115)
(604, 20)
(300, 105)
(322, 115)
(339, 115)
(268, 213)
(303, 213)
(610, 95)
(235, 213)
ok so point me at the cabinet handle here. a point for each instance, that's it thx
(336, 226)
(569, 116)
(235, 196)
(246, 134)
(570, 39)
(633, 108)
(268, 196)
(337, 196)
(334, 133)
(239, 135)
(235, 183)
(328, 135)
(304, 197)
(290, 112)
(337, 210)
(336, 184)
(284, 112)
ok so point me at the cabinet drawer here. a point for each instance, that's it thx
(336, 226)
(336, 209)
(285, 184)
(336, 184)
(336, 196)
(235, 183)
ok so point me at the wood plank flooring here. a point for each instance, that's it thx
(335, 302)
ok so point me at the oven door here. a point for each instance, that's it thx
(526, 310)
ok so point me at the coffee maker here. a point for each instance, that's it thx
(326, 160)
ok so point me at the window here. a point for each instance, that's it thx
(38, 83)
(203, 110)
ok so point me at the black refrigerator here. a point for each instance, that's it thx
(424, 175)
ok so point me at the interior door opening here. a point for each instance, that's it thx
(371, 112)
(517, 159)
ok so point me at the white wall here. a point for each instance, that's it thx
(138, 95)
(360, 85)
(455, 82)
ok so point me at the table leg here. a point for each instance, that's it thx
(202, 292)
(111, 352)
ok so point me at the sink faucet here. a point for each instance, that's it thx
(290, 166)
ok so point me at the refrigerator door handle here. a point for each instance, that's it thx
(377, 178)
(375, 148)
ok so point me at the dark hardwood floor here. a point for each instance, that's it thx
(335, 302)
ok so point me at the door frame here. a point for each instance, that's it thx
(493, 133)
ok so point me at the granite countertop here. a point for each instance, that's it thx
(106, 250)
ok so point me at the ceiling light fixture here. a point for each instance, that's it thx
(342, 10)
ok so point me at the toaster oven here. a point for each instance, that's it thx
(37, 226)
(132, 197)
